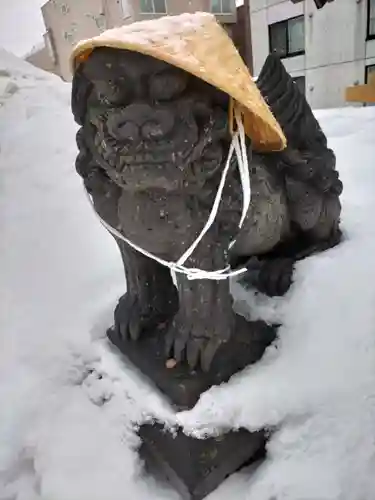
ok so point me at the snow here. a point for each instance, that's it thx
(69, 404)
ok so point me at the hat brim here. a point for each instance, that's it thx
(197, 44)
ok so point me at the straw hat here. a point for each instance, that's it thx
(197, 44)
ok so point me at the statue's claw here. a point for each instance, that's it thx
(131, 321)
(125, 315)
(273, 277)
(209, 352)
(193, 351)
(183, 343)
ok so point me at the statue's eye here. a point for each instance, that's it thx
(117, 92)
(167, 85)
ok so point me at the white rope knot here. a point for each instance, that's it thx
(237, 146)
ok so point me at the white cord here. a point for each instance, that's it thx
(243, 166)
(238, 145)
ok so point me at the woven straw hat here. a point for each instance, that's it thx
(197, 44)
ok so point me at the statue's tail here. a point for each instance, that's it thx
(289, 106)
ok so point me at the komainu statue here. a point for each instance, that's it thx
(200, 174)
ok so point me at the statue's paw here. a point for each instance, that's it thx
(131, 320)
(273, 277)
(195, 344)
(276, 277)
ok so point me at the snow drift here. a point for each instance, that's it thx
(69, 404)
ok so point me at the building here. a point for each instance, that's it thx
(325, 50)
(40, 57)
(68, 21)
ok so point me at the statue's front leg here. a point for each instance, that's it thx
(151, 298)
(205, 319)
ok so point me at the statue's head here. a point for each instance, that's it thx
(162, 94)
(153, 124)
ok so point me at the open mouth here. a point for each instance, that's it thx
(184, 158)
(154, 155)
(176, 148)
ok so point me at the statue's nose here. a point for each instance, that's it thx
(140, 120)
(158, 124)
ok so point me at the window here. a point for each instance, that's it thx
(371, 19)
(64, 8)
(153, 7)
(70, 36)
(287, 38)
(222, 6)
(99, 20)
(370, 70)
(301, 83)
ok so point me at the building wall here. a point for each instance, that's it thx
(336, 51)
(41, 59)
(69, 21)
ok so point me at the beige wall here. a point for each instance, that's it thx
(42, 59)
(68, 21)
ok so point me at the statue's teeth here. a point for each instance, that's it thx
(149, 158)
(122, 162)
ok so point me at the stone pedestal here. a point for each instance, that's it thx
(182, 387)
(196, 467)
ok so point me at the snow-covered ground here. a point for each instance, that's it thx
(68, 405)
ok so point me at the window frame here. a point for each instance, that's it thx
(222, 12)
(154, 12)
(286, 22)
(367, 71)
(370, 36)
